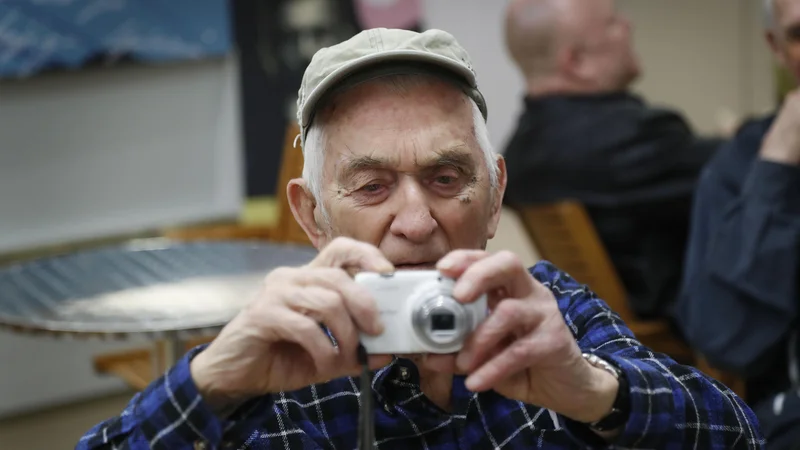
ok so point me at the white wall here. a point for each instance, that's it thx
(701, 57)
(107, 151)
(478, 26)
(39, 372)
(118, 150)
(708, 58)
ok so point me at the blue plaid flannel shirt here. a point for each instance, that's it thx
(672, 406)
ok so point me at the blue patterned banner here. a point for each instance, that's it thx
(37, 35)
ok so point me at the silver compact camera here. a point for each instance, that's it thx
(419, 313)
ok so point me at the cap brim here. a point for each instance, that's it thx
(380, 58)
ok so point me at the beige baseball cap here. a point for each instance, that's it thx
(380, 52)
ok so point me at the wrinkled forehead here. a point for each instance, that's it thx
(405, 124)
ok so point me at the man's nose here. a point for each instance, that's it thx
(413, 219)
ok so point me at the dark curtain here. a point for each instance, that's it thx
(276, 39)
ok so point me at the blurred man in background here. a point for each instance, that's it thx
(741, 295)
(583, 136)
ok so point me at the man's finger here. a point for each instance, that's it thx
(346, 253)
(304, 331)
(327, 307)
(510, 319)
(502, 270)
(517, 357)
(357, 300)
(457, 261)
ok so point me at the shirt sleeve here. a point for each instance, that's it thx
(671, 405)
(169, 414)
(742, 268)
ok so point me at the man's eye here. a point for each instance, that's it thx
(445, 179)
(371, 187)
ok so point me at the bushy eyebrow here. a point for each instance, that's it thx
(457, 156)
(352, 166)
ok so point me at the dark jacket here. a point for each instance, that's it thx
(634, 168)
(741, 296)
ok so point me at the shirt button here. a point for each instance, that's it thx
(387, 408)
(200, 445)
(404, 374)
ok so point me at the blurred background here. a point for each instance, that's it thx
(143, 118)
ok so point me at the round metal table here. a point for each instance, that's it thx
(159, 289)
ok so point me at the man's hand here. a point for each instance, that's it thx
(782, 142)
(276, 343)
(524, 350)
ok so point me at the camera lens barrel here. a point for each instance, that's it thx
(441, 322)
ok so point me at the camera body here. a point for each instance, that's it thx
(419, 313)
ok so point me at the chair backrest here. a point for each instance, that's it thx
(564, 235)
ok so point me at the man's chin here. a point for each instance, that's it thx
(445, 364)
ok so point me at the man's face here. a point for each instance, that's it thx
(784, 38)
(403, 172)
(607, 44)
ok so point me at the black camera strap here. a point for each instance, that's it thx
(366, 422)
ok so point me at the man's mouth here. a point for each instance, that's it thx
(416, 266)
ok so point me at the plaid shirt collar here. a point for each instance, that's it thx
(380, 376)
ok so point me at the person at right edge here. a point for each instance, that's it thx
(584, 136)
(740, 296)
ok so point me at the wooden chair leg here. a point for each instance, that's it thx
(137, 367)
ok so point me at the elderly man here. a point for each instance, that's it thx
(583, 136)
(400, 175)
(743, 262)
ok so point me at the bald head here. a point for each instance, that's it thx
(578, 45)
(531, 30)
(783, 32)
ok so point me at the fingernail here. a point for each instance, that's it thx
(473, 382)
(377, 326)
(445, 264)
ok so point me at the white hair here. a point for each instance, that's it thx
(315, 142)
(769, 14)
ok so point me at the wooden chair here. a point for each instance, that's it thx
(136, 367)
(564, 235)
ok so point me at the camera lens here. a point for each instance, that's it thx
(443, 322)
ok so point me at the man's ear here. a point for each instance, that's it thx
(497, 197)
(775, 46)
(303, 206)
(569, 62)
